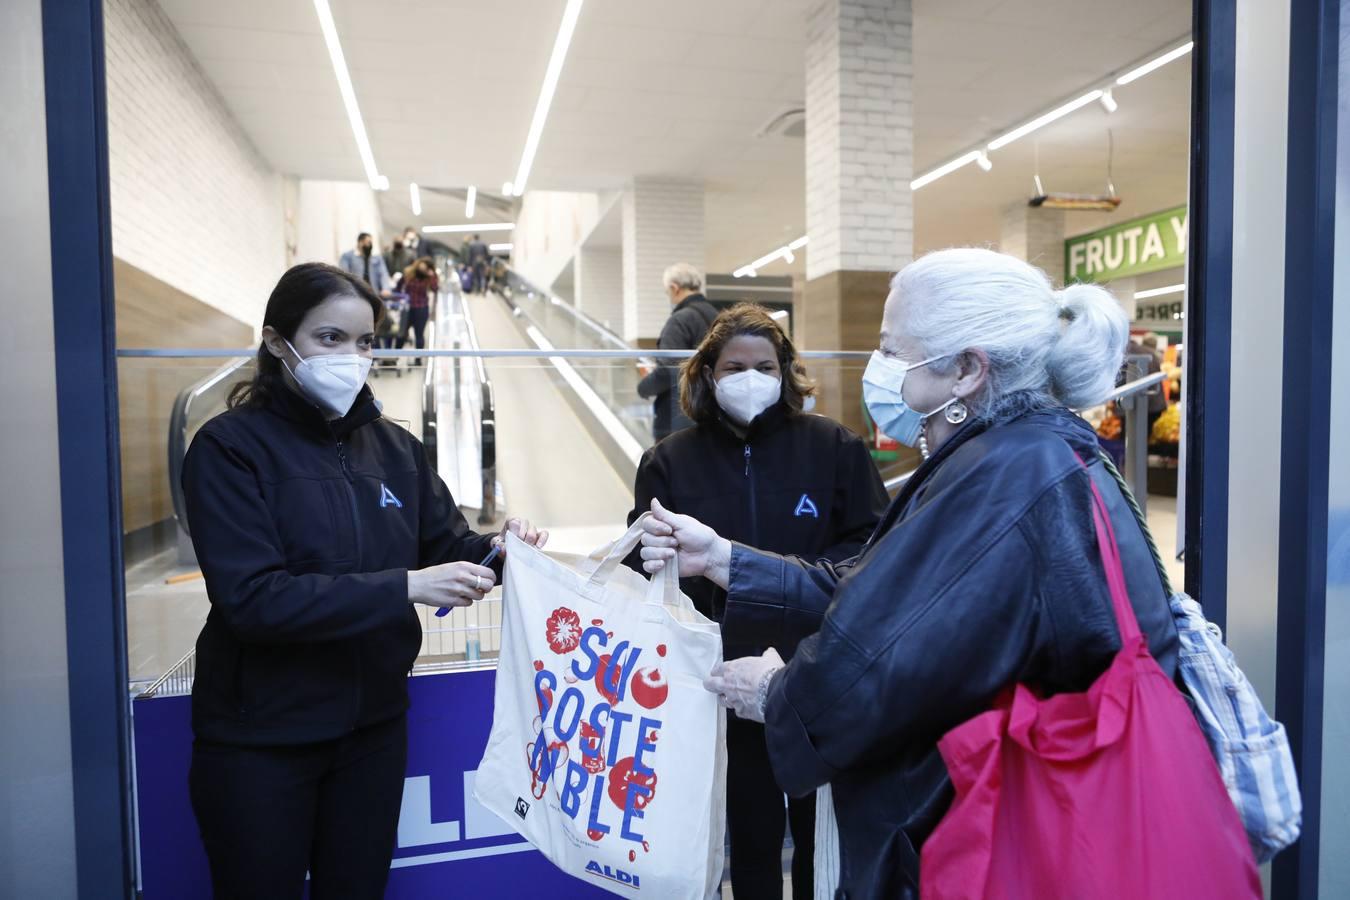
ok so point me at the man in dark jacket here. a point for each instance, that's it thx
(684, 330)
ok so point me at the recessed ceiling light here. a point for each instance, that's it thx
(416, 197)
(470, 200)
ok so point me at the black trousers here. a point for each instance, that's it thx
(417, 323)
(268, 815)
(755, 821)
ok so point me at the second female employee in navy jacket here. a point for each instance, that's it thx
(778, 479)
(318, 524)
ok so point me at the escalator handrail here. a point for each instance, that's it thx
(487, 443)
(178, 432)
(600, 330)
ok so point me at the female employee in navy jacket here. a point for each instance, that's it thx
(757, 468)
(317, 525)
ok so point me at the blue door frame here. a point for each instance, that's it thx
(86, 398)
(1309, 271)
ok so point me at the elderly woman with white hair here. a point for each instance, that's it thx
(983, 574)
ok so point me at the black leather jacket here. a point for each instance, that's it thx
(983, 573)
(684, 330)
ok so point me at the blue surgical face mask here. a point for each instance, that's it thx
(882, 383)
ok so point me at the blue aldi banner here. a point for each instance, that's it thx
(447, 843)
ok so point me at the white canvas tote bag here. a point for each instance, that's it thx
(606, 752)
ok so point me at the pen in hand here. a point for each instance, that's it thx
(487, 561)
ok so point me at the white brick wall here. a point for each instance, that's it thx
(662, 224)
(859, 136)
(599, 284)
(1035, 235)
(193, 202)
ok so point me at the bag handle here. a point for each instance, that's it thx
(663, 588)
(617, 553)
(1115, 572)
(1133, 503)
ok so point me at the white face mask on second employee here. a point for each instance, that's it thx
(745, 395)
(333, 380)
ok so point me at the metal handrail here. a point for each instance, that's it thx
(178, 436)
(604, 333)
(631, 353)
(177, 680)
(1126, 391)
(487, 417)
(1129, 389)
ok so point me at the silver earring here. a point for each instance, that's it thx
(957, 413)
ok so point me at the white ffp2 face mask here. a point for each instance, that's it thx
(331, 380)
(745, 395)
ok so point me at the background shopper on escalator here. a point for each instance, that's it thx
(688, 323)
(420, 284)
(776, 478)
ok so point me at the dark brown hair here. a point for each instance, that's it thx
(302, 288)
(698, 398)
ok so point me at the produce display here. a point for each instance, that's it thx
(1167, 430)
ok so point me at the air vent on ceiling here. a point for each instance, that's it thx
(790, 123)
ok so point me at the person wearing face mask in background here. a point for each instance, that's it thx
(757, 467)
(318, 525)
(399, 257)
(420, 283)
(366, 264)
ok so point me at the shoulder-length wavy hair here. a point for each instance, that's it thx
(698, 395)
(302, 288)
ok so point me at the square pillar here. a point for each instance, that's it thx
(859, 162)
(1036, 234)
(662, 224)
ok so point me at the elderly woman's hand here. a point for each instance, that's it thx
(742, 685)
(701, 551)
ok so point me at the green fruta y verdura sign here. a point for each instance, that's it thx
(1148, 244)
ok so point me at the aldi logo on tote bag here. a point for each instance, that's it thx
(606, 752)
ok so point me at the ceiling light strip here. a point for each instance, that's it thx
(344, 79)
(1102, 92)
(1141, 71)
(784, 253)
(1160, 292)
(1045, 119)
(415, 196)
(470, 201)
(551, 75)
(465, 229)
